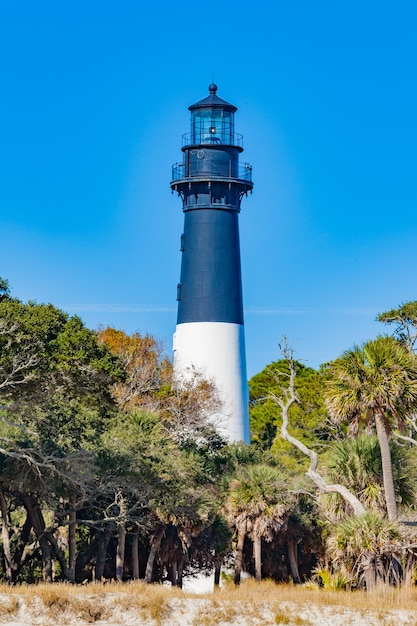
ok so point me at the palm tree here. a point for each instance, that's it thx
(375, 384)
(258, 505)
(364, 547)
(357, 464)
(211, 546)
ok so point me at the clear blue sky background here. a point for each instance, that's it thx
(93, 104)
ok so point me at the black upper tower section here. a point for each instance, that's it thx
(211, 183)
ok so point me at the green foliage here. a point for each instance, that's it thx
(375, 385)
(93, 432)
(379, 376)
(356, 463)
(162, 484)
(259, 496)
(80, 359)
(44, 350)
(308, 419)
(257, 486)
(4, 289)
(405, 320)
(136, 443)
(54, 376)
(357, 540)
(329, 580)
(55, 402)
(213, 542)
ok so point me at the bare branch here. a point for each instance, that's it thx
(404, 438)
(20, 371)
(285, 403)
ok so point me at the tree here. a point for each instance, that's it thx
(258, 505)
(135, 458)
(54, 399)
(167, 492)
(147, 369)
(356, 463)
(211, 546)
(69, 459)
(375, 384)
(405, 320)
(188, 407)
(285, 400)
(185, 409)
(4, 289)
(365, 546)
(308, 417)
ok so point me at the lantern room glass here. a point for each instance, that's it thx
(212, 126)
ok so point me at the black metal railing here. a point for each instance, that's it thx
(181, 170)
(222, 139)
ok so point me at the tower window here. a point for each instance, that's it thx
(212, 126)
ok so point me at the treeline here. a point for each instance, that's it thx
(111, 471)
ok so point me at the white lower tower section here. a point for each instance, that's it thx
(217, 351)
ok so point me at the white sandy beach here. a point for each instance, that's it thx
(197, 611)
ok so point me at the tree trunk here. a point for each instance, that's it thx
(292, 558)
(175, 572)
(172, 573)
(386, 467)
(120, 553)
(180, 569)
(8, 568)
(135, 555)
(217, 573)
(102, 551)
(72, 543)
(257, 555)
(83, 564)
(121, 540)
(46, 559)
(370, 575)
(58, 553)
(152, 554)
(241, 533)
(21, 545)
(34, 511)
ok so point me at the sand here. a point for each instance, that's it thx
(201, 612)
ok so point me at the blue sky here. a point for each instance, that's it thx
(94, 103)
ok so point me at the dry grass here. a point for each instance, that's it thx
(216, 612)
(383, 598)
(252, 603)
(254, 598)
(88, 604)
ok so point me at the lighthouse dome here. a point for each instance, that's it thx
(213, 101)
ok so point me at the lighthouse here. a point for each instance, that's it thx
(209, 336)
